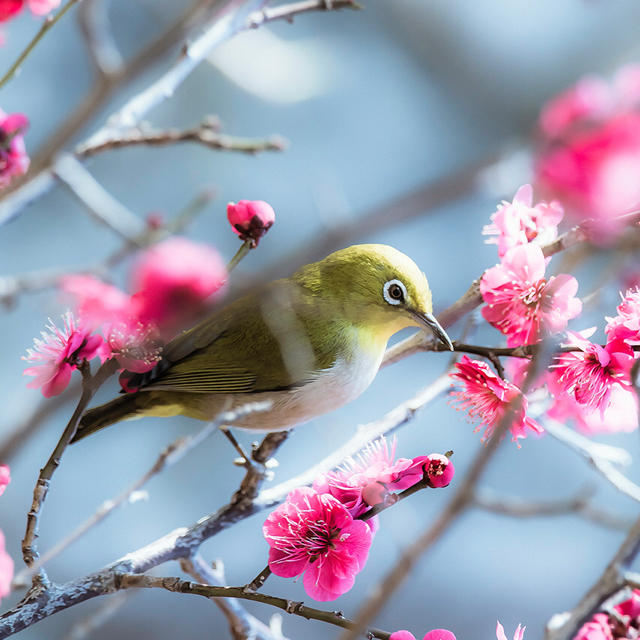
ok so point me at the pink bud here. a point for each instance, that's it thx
(439, 634)
(251, 219)
(5, 477)
(402, 635)
(439, 470)
(155, 220)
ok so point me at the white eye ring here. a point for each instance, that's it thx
(392, 287)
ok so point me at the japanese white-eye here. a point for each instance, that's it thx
(308, 344)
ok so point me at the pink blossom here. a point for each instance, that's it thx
(13, 156)
(626, 324)
(96, 302)
(589, 374)
(436, 634)
(518, 222)
(9, 8)
(250, 219)
(314, 534)
(500, 634)
(135, 346)
(598, 628)
(486, 397)
(370, 478)
(620, 415)
(403, 634)
(439, 470)
(42, 7)
(6, 569)
(521, 303)
(58, 353)
(630, 609)
(174, 281)
(5, 477)
(589, 99)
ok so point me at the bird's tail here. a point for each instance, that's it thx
(123, 408)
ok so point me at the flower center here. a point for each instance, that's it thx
(532, 296)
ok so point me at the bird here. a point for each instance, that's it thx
(303, 345)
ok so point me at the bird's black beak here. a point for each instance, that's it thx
(429, 320)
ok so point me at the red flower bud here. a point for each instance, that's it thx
(250, 219)
(439, 470)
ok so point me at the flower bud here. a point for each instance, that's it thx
(250, 219)
(439, 470)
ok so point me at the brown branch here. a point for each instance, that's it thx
(203, 134)
(176, 585)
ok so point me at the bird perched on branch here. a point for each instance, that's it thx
(306, 344)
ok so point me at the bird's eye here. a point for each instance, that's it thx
(394, 292)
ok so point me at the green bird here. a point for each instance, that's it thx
(307, 344)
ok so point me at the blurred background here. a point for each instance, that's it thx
(375, 104)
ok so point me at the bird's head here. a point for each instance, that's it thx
(374, 286)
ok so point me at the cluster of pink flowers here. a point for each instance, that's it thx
(6, 563)
(626, 623)
(318, 531)
(14, 160)
(589, 156)
(11, 8)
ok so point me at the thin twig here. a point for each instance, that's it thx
(176, 585)
(94, 26)
(289, 11)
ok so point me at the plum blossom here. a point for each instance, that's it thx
(250, 219)
(174, 281)
(519, 222)
(135, 346)
(439, 470)
(6, 569)
(500, 634)
(58, 353)
(5, 477)
(486, 397)
(598, 628)
(10, 8)
(14, 160)
(590, 373)
(316, 535)
(521, 303)
(370, 478)
(626, 324)
(590, 152)
(435, 634)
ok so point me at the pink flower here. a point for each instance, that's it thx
(521, 303)
(500, 634)
(5, 477)
(58, 353)
(436, 634)
(370, 478)
(96, 302)
(174, 281)
(626, 325)
(403, 634)
(589, 374)
(42, 7)
(439, 470)
(597, 628)
(250, 219)
(9, 8)
(630, 608)
(315, 534)
(589, 99)
(518, 222)
(6, 569)
(135, 346)
(13, 156)
(486, 397)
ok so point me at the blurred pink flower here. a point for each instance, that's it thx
(626, 324)
(96, 302)
(598, 628)
(42, 7)
(630, 608)
(403, 634)
(6, 569)
(250, 219)
(486, 397)
(589, 374)
(500, 634)
(5, 477)
(370, 478)
(518, 222)
(439, 470)
(521, 303)
(9, 8)
(135, 346)
(174, 281)
(58, 353)
(436, 634)
(315, 534)
(13, 156)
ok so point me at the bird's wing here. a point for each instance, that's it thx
(254, 344)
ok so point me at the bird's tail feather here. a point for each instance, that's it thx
(122, 408)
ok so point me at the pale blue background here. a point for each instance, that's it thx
(413, 90)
